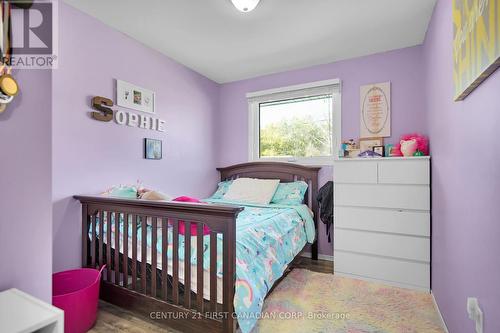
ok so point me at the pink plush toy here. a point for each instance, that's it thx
(182, 227)
(411, 145)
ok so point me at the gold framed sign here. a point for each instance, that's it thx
(375, 100)
(476, 43)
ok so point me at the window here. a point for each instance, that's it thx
(299, 123)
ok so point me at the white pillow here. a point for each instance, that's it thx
(251, 190)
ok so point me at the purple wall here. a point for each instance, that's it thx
(89, 156)
(25, 180)
(404, 68)
(465, 184)
(207, 127)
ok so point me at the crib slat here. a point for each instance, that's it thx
(108, 246)
(93, 243)
(85, 235)
(213, 271)
(153, 256)
(125, 250)
(228, 272)
(187, 265)
(164, 258)
(144, 253)
(101, 237)
(117, 248)
(134, 252)
(175, 263)
(199, 266)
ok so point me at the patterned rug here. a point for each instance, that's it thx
(306, 301)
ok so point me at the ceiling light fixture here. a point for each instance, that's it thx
(245, 5)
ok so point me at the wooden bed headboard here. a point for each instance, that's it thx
(285, 172)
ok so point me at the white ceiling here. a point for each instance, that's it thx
(216, 40)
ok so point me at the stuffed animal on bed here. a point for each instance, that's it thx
(121, 191)
(153, 195)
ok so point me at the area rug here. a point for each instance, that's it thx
(307, 301)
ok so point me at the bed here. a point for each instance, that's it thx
(247, 251)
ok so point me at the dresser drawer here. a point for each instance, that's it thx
(387, 245)
(383, 196)
(404, 172)
(362, 172)
(383, 220)
(397, 271)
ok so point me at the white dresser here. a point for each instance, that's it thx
(382, 220)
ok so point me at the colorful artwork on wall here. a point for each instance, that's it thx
(476, 43)
(152, 149)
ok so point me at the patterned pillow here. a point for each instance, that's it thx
(222, 189)
(290, 193)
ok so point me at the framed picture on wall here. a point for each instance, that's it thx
(476, 44)
(375, 102)
(152, 149)
(134, 97)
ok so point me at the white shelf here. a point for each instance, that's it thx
(397, 158)
(23, 313)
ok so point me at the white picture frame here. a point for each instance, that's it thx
(368, 143)
(134, 97)
(375, 105)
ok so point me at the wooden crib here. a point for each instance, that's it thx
(139, 283)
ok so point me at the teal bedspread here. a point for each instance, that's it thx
(268, 237)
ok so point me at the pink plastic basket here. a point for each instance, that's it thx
(77, 293)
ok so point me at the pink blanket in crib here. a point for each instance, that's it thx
(182, 228)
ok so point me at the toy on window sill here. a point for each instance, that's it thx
(412, 145)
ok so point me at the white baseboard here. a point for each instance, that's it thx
(439, 313)
(320, 256)
(389, 283)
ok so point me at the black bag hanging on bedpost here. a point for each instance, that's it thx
(325, 200)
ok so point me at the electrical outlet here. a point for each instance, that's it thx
(475, 313)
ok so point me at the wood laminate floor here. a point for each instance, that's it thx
(113, 319)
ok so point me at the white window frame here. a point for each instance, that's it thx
(296, 91)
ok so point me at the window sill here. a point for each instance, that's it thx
(318, 161)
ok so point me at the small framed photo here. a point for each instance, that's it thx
(379, 150)
(152, 149)
(368, 143)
